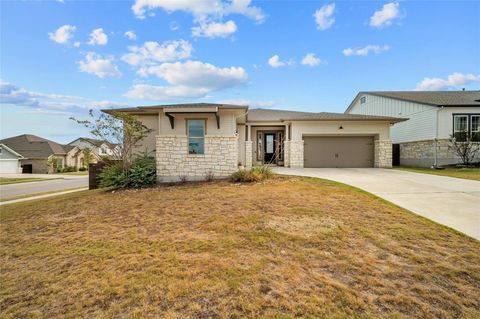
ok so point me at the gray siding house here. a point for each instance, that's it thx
(433, 117)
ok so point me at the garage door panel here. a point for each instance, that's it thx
(345, 151)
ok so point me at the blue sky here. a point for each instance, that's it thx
(59, 59)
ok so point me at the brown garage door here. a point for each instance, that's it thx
(344, 151)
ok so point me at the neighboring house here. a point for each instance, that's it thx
(38, 153)
(434, 117)
(9, 160)
(192, 140)
(99, 148)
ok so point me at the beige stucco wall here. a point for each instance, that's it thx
(148, 143)
(380, 130)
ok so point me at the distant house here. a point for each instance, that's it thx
(434, 117)
(38, 153)
(9, 160)
(98, 147)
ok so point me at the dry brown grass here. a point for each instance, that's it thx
(286, 248)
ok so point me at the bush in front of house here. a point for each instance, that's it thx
(255, 174)
(141, 173)
(83, 169)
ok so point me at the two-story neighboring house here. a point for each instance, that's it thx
(434, 117)
(99, 148)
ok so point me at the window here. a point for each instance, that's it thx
(259, 146)
(363, 99)
(466, 125)
(196, 136)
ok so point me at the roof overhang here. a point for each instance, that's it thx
(20, 156)
(170, 112)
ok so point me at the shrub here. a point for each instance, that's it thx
(112, 176)
(82, 169)
(255, 174)
(67, 169)
(142, 172)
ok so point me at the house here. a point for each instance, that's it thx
(434, 117)
(99, 148)
(9, 160)
(192, 140)
(38, 153)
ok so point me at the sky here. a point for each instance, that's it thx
(59, 59)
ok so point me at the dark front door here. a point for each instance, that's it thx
(269, 148)
(27, 169)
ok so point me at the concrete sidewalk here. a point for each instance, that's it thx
(449, 201)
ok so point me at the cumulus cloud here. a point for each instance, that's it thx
(131, 35)
(311, 60)
(153, 52)
(76, 44)
(324, 16)
(453, 81)
(214, 29)
(377, 49)
(275, 62)
(101, 67)
(386, 15)
(62, 34)
(190, 79)
(200, 9)
(12, 94)
(98, 37)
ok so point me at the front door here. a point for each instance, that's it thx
(269, 148)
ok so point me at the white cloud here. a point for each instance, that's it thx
(153, 52)
(453, 81)
(324, 16)
(377, 49)
(311, 60)
(76, 44)
(62, 34)
(250, 103)
(386, 15)
(101, 67)
(131, 35)
(214, 29)
(98, 37)
(190, 79)
(12, 94)
(275, 62)
(200, 9)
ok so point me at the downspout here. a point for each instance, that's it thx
(435, 164)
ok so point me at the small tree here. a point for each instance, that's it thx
(464, 147)
(117, 128)
(87, 156)
(53, 163)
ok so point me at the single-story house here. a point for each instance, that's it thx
(98, 147)
(434, 117)
(38, 153)
(9, 160)
(192, 140)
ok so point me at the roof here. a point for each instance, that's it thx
(142, 109)
(10, 150)
(269, 115)
(435, 98)
(93, 141)
(32, 146)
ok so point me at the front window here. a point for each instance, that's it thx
(196, 136)
(475, 127)
(460, 127)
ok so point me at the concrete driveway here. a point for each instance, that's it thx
(449, 201)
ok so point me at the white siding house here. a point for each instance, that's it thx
(9, 160)
(424, 138)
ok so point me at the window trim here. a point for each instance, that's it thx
(469, 122)
(188, 135)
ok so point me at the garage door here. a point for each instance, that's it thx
(344, 151)
(8, 166)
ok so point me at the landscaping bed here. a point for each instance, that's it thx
(283, 248)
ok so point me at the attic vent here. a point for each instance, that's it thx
(362, 100)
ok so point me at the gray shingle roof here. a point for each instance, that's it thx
(32, 146)
(438, 98)
(269, 115)
(140, 109)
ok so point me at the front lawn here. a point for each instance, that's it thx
(11, 180)
(466, 173)
(286, 248)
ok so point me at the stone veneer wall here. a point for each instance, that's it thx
(174, 162)
(383, 153)
(296, 153)
(286, 153)
(248, 154)
(422, 153)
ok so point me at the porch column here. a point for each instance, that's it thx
(248, 148)
(286, 147)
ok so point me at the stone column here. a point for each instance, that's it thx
(383, 154)
(286, 153)
(296, 153)
(248, 154)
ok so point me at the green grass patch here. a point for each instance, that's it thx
(465, 173)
